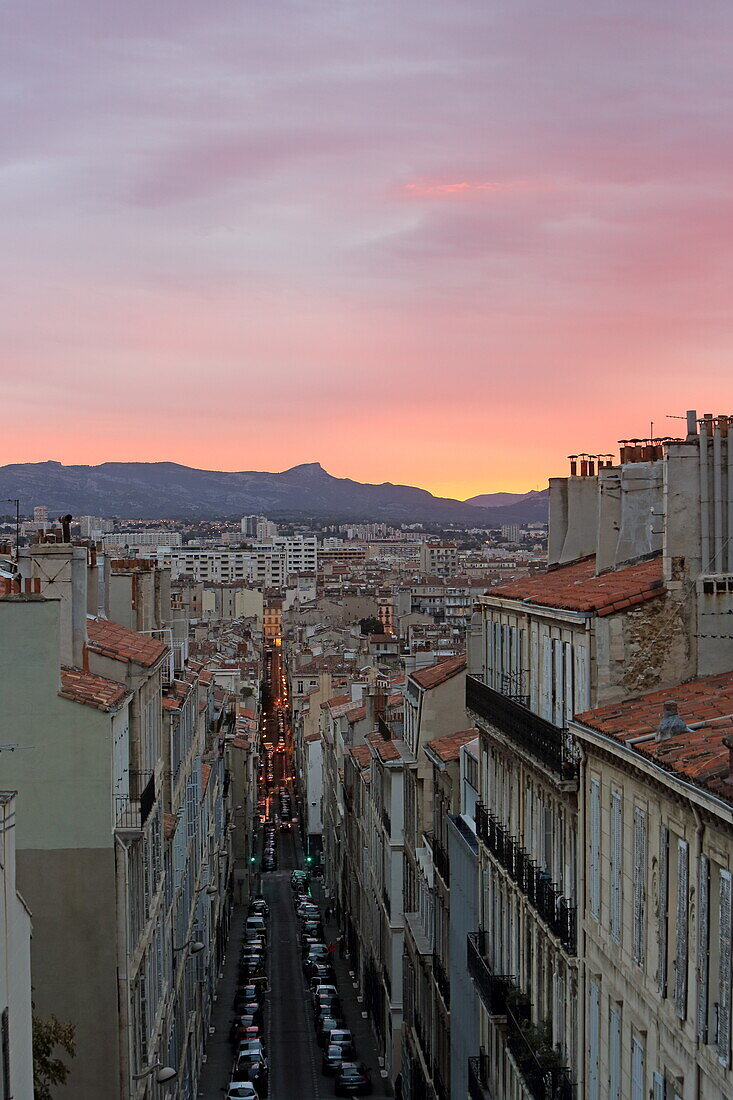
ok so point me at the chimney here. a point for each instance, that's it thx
(671, 723)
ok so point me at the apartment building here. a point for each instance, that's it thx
(16, 1030)
(127, 891)
(462, 850)
(443, 753)
(434, 706)
(625, 608)
(141, 540)
(656, 830)
(439, 558)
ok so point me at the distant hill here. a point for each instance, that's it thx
(147, 490)
(531, 507)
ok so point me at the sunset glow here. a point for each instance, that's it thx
(444, 245)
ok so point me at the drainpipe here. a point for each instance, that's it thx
(127, 1086)
(704, 498)
(580, 892)
(718, 499)
(699, 831)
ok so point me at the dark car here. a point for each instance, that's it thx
(327, 1006)
(324, 1026)
(320, 972)
(269, 863)
(334, 1056)
(353, 1079)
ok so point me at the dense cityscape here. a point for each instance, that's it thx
(373, 810)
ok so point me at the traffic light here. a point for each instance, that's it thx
(308, 859)
(252, 859)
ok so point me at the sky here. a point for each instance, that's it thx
(438, 243)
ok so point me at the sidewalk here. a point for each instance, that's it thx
(216, 1072)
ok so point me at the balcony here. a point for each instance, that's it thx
(387, 902)
(539, 738)
(440, 860)
(551, 906)
(441, 979)
(133, 809)
(492, 988)
(539, 1064)
(478, 1078)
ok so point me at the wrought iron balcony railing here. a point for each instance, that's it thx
(441, 861)
(441, 979)
(492, 988)
(539, 1064)
(478, 1078)
(543, 895)
(547, 743)
(133, 809)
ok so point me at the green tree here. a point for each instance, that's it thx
(371, 625)
(49, 1070)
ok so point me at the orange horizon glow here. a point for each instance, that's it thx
(438, 245)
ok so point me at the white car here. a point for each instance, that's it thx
(241, 1090)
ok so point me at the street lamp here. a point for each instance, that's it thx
(194, 945)
(209, 888)
(162, 1073)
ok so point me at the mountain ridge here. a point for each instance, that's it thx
(170, 490)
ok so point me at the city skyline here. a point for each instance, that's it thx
(442, 246)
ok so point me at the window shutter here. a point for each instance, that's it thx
(614, 1055)
(637, 1068)
(615, 898)
(534, 668)
(639, 885)
(680, 977)
(569, 685)
(582, 700)
(663, 909)
(594, 1028)
(703, 947)
(595, 848)
(724, 975)
(496, 682)
(558, 710)
(660, 1086)
(490, 658)
(546, 685)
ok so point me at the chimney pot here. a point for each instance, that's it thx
(671, 723)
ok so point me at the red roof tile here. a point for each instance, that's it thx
(205, 776)
(385, 750)
(120, 644)
(361, 755)
(170, 821)
(94, 691)
(448, 747)
(356, 714)
(575, 587)
(698, 756)
(439, 673)
(337, 701)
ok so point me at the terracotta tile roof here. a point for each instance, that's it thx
(337, 701)
(205, 776)
(94, 691)
(120, 644)
(698, 756)
(439, 673)
(385, 750)
(361, 755)
(576, 587)
(356, 714)
(240, 743)
(170, 821)
(448, 747)
(312, 737)
(175, 694)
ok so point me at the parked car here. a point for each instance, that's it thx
(353, 1079)
(334, 1055)
(241, 1090)
(324, 1026)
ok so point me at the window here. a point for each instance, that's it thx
(615, 867)
(663, 909)
(639, 945)
(637, 1067)
(594, 1032)
(703, 947)
(594, 891)
(724, 970)
(680, 978)
(614, 1052)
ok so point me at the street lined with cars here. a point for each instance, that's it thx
(295, 1028)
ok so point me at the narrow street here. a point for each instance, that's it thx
(292, 1051)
